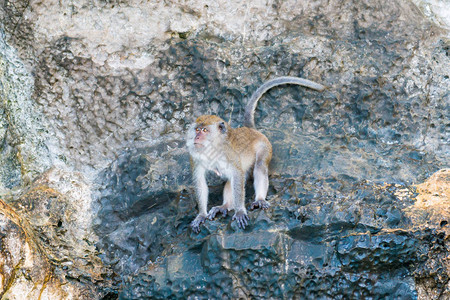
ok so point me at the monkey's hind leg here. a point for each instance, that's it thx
(241, 218)
(199, 220)
(240, 215)
(202, 198)
(226, 205)
(261, 183)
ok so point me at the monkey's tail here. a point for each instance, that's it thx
(249, 120)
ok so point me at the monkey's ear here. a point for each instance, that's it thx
(222, 127)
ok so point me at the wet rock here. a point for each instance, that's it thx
(132, 207)
(324, 249)
(95, 100)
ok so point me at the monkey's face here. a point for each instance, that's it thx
(206, 135)
(201, 136)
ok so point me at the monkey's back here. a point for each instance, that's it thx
(249, 143)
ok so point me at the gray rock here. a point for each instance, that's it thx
(95, 101)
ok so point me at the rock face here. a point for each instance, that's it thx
(95, 181)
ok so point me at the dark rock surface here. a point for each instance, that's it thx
(315, 242)
(95, 101)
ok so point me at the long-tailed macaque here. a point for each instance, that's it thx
(233, 153)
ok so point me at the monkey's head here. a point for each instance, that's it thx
(207, 132)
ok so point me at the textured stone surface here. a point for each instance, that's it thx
(28, 268)
(359, 242)
(24, 154)
(95, 100)
(103, 82)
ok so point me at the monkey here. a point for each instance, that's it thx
(233, 153)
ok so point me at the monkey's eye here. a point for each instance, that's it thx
(197, 129)
(204, 129)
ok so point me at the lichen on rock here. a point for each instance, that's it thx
(24, 153)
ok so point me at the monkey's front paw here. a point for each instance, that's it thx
(199, 220)
(260, 204)
(241, 219)
(215, 210)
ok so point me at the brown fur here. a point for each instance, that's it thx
(207, 120)
(233, 154)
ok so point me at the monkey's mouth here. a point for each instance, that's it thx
(198, 145)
